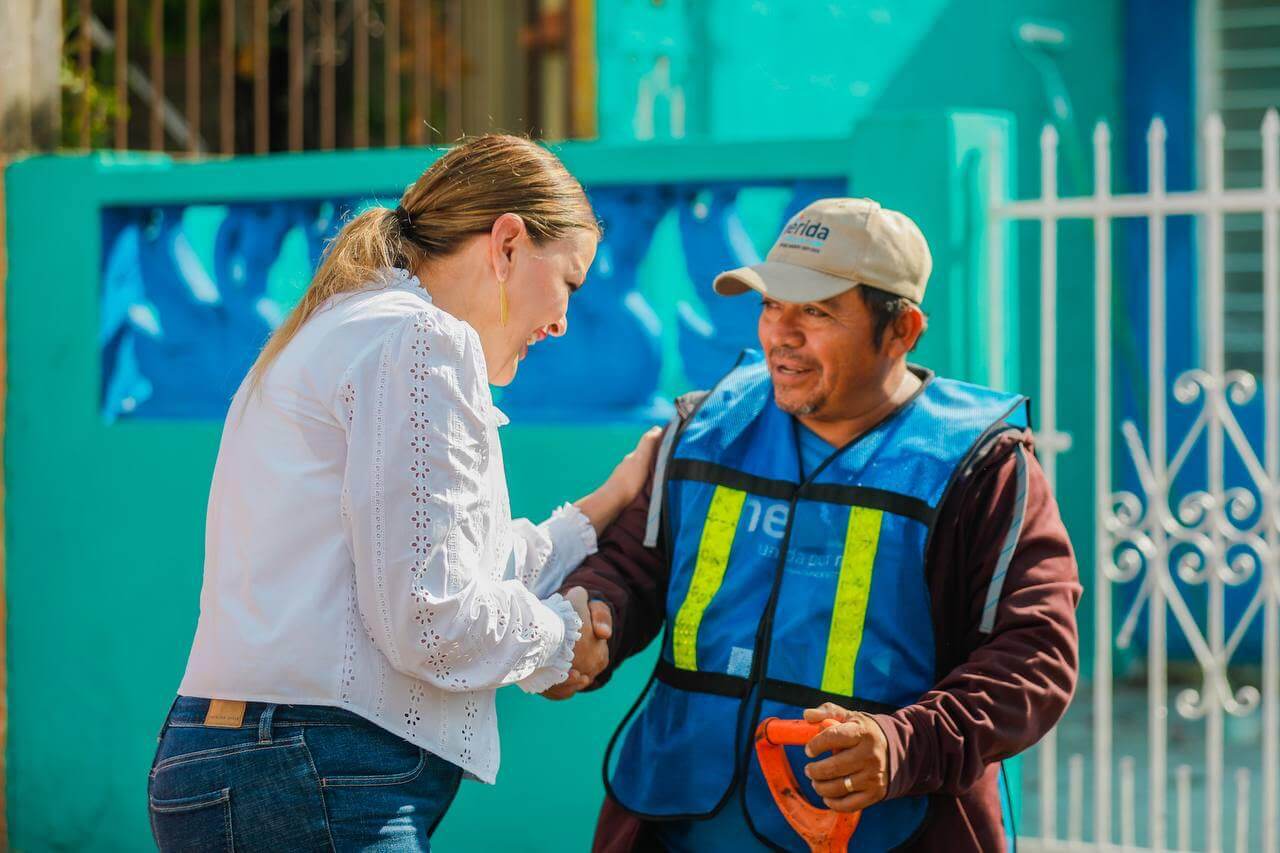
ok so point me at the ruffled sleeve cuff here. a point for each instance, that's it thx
(556, 668)
(573, 537)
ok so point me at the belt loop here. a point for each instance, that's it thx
(264, 723)
(164, 727)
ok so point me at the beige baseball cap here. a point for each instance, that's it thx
(833, 245)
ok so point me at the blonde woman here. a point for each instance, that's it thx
(366, 590)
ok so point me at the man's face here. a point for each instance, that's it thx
(821, 353)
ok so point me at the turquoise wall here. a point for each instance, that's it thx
(789, 69)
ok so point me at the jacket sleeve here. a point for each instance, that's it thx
(1020, 672)
(630, 578)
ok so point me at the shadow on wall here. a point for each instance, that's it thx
(190, 293)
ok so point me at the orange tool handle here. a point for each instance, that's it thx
(793, 732)
(824, 830)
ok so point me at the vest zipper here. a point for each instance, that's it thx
(764, 635)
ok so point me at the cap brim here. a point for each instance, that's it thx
(784, 282)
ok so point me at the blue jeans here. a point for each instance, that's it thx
(293, 777)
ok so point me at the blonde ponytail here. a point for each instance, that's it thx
(460, 195)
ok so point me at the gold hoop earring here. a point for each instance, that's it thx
(502, 302)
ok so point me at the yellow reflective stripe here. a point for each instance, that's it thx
(853, 588)
(708, 572)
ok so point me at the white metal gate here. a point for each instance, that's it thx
(1163, 539)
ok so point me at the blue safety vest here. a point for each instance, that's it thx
(789, 590)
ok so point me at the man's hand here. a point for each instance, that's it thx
(857, 773)
(591, 653)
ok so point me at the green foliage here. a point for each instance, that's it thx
(102, 104)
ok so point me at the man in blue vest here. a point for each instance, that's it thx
(833, 533)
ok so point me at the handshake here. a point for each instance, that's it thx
(591, 653)
(855, 774)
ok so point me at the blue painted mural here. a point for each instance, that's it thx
(190, 293)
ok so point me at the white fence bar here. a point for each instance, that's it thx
(1215, 362)
(1075, 799)
(1048, 401)
(1128, 835)
(1157, 423)
(1242, 810)
(1048, 419)
(1102, 426)
(996, 263)
(1122, 206)
(1271, 443)
(1184, 807)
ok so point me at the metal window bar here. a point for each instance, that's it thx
(420, 114)
(157, 74)
(532, 72)
(391, 46)
(453, 54)
(580, 41)
(328, 64)
(360, 74)
(226, 79)
(297, 106)
(570, 67)
(261, 114)
(121, 81)
(86, 55)
(193, 77)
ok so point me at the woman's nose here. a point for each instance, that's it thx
(559, 327)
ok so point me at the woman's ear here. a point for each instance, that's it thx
(507, 231)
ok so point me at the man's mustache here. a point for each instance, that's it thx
(789, 357)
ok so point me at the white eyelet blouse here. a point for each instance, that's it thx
(359, 546)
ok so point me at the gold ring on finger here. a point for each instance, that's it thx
(848, 784)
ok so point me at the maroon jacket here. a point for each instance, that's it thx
(1000, 693)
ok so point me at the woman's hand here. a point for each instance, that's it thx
(591, 652)
(628, 478)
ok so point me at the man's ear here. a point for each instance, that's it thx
(905, 332)
(506, 232)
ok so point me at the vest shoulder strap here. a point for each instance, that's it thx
(686, 405)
